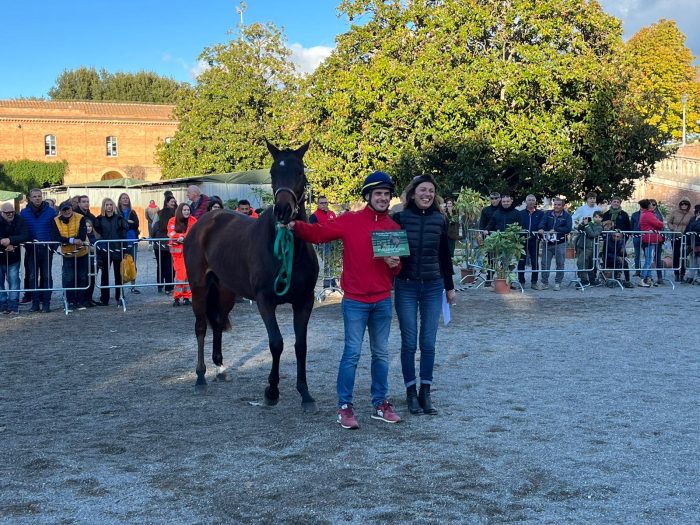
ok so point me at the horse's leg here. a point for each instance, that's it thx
(200, 330)
(302, 312)
(227, 300)
(267, 312)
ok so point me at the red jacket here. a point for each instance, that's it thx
(175, 245)
(364, 279)
(322, 216)
(649, 222)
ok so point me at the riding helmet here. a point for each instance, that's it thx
(377, 180)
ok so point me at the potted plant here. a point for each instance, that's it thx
(468, 204)
(503, 249)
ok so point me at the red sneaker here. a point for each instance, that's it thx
(385, 412)
(346, 417)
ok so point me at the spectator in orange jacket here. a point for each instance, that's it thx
(245, 208)
(178, 228)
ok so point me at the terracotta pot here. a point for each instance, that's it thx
(501, 286)
(467, 275)
(570, 253)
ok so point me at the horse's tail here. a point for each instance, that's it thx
(216, 320)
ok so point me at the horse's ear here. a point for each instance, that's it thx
(272, 149)
(301, 151)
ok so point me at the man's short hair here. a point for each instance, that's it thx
(591, 194)
(615, 198)
(322, 197)
(244, 202)
(505, 195)
(557, 199)
(598, 213)
(495, 195)
(34, 190)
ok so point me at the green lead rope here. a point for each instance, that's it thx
(284, 252)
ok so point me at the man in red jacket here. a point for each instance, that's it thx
(366, 281)
(323, 215)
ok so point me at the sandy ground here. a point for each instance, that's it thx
(555, 407)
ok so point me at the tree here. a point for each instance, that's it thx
(661, 70)
(87, 84)
(489, 94)
(247, 94)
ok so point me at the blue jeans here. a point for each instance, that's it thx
(652, 253)
(376, 318)
(9, 300)
(558, 253)
(410, 298)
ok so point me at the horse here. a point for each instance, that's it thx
(229, 254)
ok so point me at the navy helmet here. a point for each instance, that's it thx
(377, 180)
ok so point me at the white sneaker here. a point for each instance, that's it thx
(556, 287)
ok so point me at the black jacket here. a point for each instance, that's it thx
(111, 228)
(16, 230)
(427, 239)
(502, 218)
(486, 215)
(622, 221)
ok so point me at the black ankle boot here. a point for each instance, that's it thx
(424, 400)
(412, 400)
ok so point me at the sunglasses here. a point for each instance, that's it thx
(9, 212)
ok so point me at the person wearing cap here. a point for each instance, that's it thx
(366, 282)
(678, 221)
(425, 274)
(692, 233)
(13, 232)
(70, 230)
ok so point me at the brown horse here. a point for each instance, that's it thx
(228, 254)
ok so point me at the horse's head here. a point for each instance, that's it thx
(288, 181)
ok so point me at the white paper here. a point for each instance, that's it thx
(445, 309)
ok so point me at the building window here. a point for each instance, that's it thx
(168, 140)
(50, 145)
(111, 146)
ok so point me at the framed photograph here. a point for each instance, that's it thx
(390, 243)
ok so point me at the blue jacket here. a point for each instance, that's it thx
(39, 222)
(531, 222)
(561, 225)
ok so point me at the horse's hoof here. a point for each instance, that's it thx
(270, 399)
(309, 407)
(225, 377)
(200, 389)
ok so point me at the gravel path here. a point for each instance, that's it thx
(555, 407)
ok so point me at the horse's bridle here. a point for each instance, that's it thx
(295, 209)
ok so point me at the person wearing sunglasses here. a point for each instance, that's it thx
(13, 232)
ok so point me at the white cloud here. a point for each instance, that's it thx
(308, 59)
(200, 67)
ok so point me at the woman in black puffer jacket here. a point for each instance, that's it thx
(425, 273)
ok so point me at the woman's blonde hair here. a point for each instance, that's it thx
(107, 200)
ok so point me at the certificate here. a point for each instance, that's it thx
(392, 243)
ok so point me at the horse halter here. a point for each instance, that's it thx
(295, 208)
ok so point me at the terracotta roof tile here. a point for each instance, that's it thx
(82, 109)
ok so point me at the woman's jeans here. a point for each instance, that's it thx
(651, 254)
(376, 318)
(412, 297)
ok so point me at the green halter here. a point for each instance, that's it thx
(284, 252)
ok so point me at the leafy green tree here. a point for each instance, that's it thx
(89, 84)
(23, 175)
(488, 94)
(247, 94)
(661, 71)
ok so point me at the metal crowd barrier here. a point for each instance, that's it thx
(692, 254)
(330, 261)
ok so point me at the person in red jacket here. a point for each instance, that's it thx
(178, 228)
(367, 282)
(323, 215)
(650, 224)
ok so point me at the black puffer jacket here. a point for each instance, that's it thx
(427, 239)
(16, 230)
(501, 218)
(110, 229)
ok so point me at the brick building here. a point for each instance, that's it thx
(99, 140)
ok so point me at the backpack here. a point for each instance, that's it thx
(128, 269)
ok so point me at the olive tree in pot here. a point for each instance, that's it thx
(468, 204)
(503, 249)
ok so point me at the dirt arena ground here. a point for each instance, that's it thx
(555, 407)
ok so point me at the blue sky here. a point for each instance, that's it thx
(42, 39)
